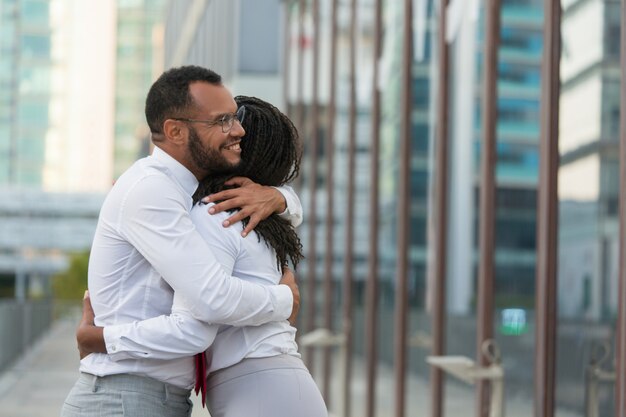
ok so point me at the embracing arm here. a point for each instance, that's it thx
(204, 292)
(257, 202)
(164, 337)
(157, 223)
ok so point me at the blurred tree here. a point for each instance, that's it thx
(71, 284)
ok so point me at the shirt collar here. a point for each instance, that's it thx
(187, 180)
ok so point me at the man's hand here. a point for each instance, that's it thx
(289, 279)
(255, 201)
(90, 338)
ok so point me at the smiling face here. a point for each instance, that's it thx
(209, 148)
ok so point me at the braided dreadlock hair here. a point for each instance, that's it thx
(270, 155)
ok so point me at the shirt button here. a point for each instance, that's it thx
(113, 348)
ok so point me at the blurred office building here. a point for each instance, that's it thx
(240, 40)
(518, 136)
(73, 78)
(588, 176)
(138, 62)
(56, 95)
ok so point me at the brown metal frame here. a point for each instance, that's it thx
(330, 199)
(620, 383)
(312, 149)
(404, 175)
(487, 195)
(441, 216)
(299, 116)
(547, 215)
(349, 242)
(287, 57)
(371, 289)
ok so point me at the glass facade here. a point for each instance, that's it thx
(25, 90)
(56, 117)
(588, 187)
(588, 197)
(139, 39)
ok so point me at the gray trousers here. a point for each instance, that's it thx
(125, 395)
(278, 386)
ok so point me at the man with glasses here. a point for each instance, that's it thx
(146, 248)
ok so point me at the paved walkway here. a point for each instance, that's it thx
(38, 383)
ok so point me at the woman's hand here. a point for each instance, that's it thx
(89, 337)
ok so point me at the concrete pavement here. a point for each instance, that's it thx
(37, 384)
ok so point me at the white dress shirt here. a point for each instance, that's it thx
(248, 258)
(146, 248)
(253, 260)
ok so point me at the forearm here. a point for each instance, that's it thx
(163, 337)
(90, 340)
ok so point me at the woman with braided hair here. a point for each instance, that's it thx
(270, 155)
(257, 371)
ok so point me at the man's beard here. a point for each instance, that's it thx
(209, 160)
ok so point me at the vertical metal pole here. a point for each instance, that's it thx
(441, 217)
(330, 199)
(287, 57)
(20, 285)
(299, 121)
(371, 289)
(349, 243)
(620, 383)
(312, 253)
(313, 152)
(487, 195)
(404, 174)
(547, 215)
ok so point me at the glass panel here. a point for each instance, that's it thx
(33, 113)
(588, 217)
(518, 83)
(35, 46)
(35, 12)
(35, 80)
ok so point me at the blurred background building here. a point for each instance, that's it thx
(71, 121)
(73, 80)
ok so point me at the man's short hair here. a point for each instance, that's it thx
(169, 96)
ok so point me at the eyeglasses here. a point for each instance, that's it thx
(226, 121)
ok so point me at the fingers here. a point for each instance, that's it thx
(252, 223)
(222, 195)
(239, 181)
(233, 203)
(88, 313)
(289, 279)
(296, 305)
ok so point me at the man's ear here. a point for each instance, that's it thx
(175, 132)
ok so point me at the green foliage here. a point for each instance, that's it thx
(71, 284)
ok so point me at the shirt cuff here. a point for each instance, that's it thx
(283, 301)
(294, 216)
(112, 341)
(286, 196)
